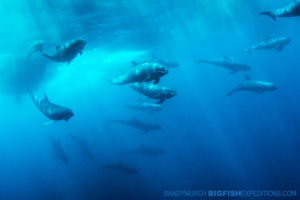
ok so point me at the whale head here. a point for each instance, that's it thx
(68, 114)
(269, 86)
(64, 114)
(161, 70)
(272, 87)
(285, 40)
(78, 44)
(169, 92)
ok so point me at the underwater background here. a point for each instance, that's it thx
(210, 141)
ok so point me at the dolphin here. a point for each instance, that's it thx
(144, 72)
(227, 63)
(146, 151)
(291, 10)
(270, 44)
(121, 167)
(68, 51)
(50, 110)
(150, 107)
(254, 86)
(58, 150)
(134, 123)
(154, 91)
(82, 146)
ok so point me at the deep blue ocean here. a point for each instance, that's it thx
(209, 141)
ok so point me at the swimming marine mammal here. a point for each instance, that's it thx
(270, 44)
(146, 151)
(121, 167)
(68, 51)
(50, 110)
(58, 150)
(150, 107)
(82, 146)
(134, 123)
(291, 10)
(154, 91)
(163, 62)
(228, 63)
(254, 86)
(144, 72)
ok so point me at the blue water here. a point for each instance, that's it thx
(212, 142)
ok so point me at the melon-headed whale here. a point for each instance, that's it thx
(58, 150)
(291, 10)
(145, 151)
(227, 63)
(50, 110)
(270, 44)
(83, 146)
(163, 62)
(254, 86)
(154, 91)
(135, 123)
(121, 167)
(147, 107)
(68, 51)
(143, 72)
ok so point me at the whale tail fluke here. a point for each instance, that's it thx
(232, 92)
(270, 14)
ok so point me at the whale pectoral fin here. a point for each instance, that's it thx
(160, 101)
(50, 122)
(270, 14)
(259, 92)
(134, 63)
(145, 132)
(69, 62)
(81, 52)
(234, 71)
(247, 77)
(279, 48)
(156, 80)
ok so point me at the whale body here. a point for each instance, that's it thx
(135, 123)
(154, 91)
(67, 52)
(51, 110)
(227, 63)
(291, 10)
(270, 44)
(144, 72)
(253, 86)
(121, 167)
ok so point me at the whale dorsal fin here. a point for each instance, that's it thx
(58, 47)
(45, 97)
(153, 57)
(134, 63)
(247, 77)
(134, 119)
(228, 58)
